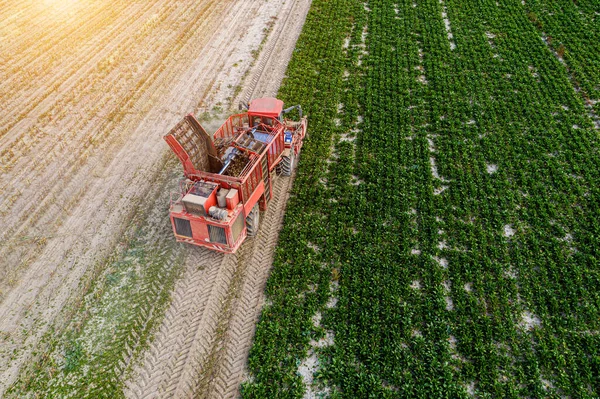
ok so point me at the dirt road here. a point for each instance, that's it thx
(88, 90)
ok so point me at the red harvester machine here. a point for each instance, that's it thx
(229, 176)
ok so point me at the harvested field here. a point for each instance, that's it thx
(88, 90)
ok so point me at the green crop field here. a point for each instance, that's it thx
(443, 236)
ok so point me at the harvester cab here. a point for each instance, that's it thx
(229, 175)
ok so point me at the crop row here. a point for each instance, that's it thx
(453, 219)
(572, 29)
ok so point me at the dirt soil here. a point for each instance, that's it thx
(88, 90)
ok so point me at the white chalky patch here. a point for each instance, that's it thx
(415, 251)
(491, 168)
(314, 247)
(416, 333)
(529, 321)
(306, 369)
(452, 342)
(415, 285)
(470, 388)
(468, 287)
(316, 319)
(356, 181)
(508, 230)
(345, 137)
(546, 384)
(511, 273)
(447, 26)
(327, 340)
(431, 145)
(532, 70)
(332, 302)
(449, 303)
(346, 42)
(447, 285)
(442, 245)
(439, 190)
(443, 262)
(434, 170)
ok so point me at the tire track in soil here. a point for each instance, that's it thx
(212, 364)
(222, 379)
(179, 325)
(202, 345)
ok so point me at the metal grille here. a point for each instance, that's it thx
(237, 227)
(217, 234)
(194, 144)
(183, 227)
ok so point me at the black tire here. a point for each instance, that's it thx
(287, 164)
(252, 221)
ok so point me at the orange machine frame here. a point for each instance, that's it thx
(253, 184)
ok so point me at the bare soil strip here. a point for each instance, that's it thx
(268, 73)
(202, 346)
(87, 94)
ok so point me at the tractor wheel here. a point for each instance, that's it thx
(287, 164)
(252, 221)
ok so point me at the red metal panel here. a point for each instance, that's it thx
(248, 205)
(199, 229)
(228, 128)
(268, 106)
(200, 234)
(188, 167)
(233, 198)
